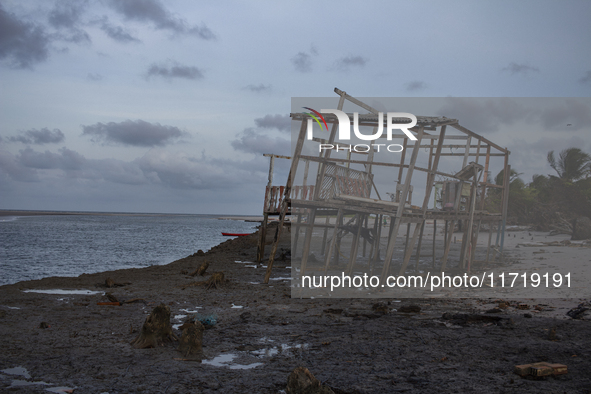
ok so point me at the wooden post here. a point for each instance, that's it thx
(263, 230)
(430, 180)
(434, 239)
(331, 248)
(400, 209)
(422, 226)
(285, 204)
(450, 235)
(505, 203)
(355, 244)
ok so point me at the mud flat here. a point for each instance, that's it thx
(260, 334)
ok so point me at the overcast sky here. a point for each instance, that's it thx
(167, 106)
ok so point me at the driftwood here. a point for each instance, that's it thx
(201, 270)
(191, 342)
(156, 329)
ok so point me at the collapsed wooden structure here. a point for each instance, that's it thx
(341, 191)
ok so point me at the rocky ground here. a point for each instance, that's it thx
(261, 335)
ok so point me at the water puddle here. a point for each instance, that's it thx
(13, 307)
(64, 292)
(282, 278)
(251, 266)
(19, 371)
(61, 389)
(270, 352)
(179, 317)
(21, 383)
(176, 326)
(236, 306)
(226, 360)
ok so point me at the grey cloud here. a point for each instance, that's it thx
(302, 62)
(118, 171)
(66, 14)
(181, 171)
(76, 36)
(66, 159)
(65, 17)
(39, 137)
(153, 11)
(117, 33)
(252, 141)
(134, 133)
(176, 170)
(280, 122)
(586, 78)
(174, 71)
(94, 77)
(484, 115)
(22, 44)
(259, 88)
(414, 86)
(573, 112)
(524, 69)
(348, 62)
(16, 171)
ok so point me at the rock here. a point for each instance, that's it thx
(581, 229)
(301, 381)
(578, 312)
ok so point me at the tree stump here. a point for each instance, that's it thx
(156, 329)
(191, 342)
(215, 280)
(201, 270)
(301, 381)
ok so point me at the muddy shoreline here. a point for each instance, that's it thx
(261, 334)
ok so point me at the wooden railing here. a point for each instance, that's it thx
(274, 197)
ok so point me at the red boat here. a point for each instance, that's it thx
(234, 234)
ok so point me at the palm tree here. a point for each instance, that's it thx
(573, 164)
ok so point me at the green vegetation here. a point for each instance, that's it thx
(548, 201)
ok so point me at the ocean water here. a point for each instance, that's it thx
(35, 247)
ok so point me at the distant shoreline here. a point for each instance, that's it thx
(61, 213)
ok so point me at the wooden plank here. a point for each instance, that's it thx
(471, 154)
(473, 134)
(274, 155)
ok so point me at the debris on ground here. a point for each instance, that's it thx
(540, 369)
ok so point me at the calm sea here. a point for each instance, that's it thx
(34, 247)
